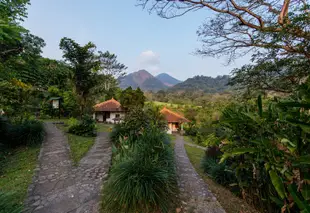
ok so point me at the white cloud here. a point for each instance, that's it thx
(149, 61)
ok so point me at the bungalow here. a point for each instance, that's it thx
(175, 121)
(109, 111)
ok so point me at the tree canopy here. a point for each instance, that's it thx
(239, 27)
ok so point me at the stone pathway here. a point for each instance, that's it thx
(58, 186)
(194, 192)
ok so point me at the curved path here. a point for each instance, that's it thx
(194, 192)
(58, 186)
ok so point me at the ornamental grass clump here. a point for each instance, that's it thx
(143, 177)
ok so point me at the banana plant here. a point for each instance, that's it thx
(273, 138)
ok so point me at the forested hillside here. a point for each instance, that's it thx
(203, 83)
(167, 79)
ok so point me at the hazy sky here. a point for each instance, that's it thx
(140, 40)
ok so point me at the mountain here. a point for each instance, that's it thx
(203, 83)
(143, 79)
(168, 80)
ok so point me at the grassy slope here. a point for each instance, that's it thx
(18, 166)
(228, 200)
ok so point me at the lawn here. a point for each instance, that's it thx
(17, 170)
(228, 200)
(79, 145)
(104, 127)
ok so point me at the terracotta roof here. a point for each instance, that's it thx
(108, 106)
(173, 117)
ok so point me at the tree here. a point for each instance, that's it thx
(132, 98)
(84, 63)
(110, 71)
(241, 26)
(271, 75)
(11, 14)
(110, 65)
(54, 73)
(93, 73)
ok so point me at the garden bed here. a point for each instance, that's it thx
(230, 202)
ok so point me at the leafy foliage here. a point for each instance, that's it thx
(92, 72)
(269, 147)
(271, 75)
(136, 121)
(132, 98)
(85, 127)
(221, 173)
(26, 133)
(239, 27)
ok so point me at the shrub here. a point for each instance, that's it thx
(73, 122)
(213, 152)
(118, 131)
(143, 177)
(220, 172)
(29, 132)
(85, 127)
(136, 121)
(269, 147)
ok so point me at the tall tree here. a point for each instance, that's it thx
(11, 14)
(132, 98)
(110, 65)
(241, 26)
(271, 75)
(84, 63)
(110, 70)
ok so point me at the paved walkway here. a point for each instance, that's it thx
(194, 192)
(58, 186)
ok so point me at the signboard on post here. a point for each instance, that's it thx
(55, 103)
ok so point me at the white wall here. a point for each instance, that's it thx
(113, 115)
(99, 117)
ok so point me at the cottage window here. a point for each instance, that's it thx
(108, 115)
(117, 115)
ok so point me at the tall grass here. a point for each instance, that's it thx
(143, 179)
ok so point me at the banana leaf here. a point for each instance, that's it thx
(294, 104)
(277, 183)
(306, 191)
(302, 205)
(303, 160)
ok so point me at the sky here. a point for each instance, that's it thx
(139, 39)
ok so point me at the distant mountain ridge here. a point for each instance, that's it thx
(147, 82)
(203, 83)
(143, 79)
(167, 79)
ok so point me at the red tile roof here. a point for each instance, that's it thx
(108, 106)
(173, 117)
